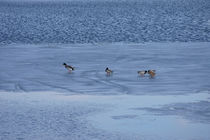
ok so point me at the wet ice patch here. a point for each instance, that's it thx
(124, 117)
(195, 111)
(166, 117)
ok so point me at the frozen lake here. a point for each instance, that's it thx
(40, 99)
(181, 68)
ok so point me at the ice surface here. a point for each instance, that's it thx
(87, 104)
(57, 116)
(41, 100)
(124, 116)
(182, 68)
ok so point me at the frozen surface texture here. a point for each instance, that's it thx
(57, 116)
(41, 100)
(45, 116)
(104, 21)
(181, 68)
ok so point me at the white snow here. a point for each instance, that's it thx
(51, 115)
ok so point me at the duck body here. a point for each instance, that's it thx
(108, 71)
(68, 67)
(152, 70)
(142, 73)
(151, 73)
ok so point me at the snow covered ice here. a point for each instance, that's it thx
(40, 99)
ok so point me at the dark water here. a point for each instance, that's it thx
(88, 22)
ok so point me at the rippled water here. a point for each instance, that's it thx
(105, 21)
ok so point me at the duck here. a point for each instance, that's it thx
(151, 73)
(68, 67)
(152, 70)
(142, 73)
(108, 71)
